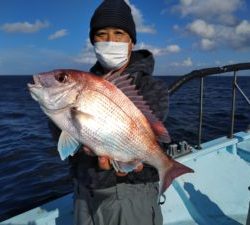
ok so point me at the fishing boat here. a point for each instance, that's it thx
(217, 193)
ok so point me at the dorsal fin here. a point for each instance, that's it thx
(124, 83)
(132, 92)
(143, 107)
(120, 78)
(129, 88)
(110, 76)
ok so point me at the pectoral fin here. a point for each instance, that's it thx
(67, 145)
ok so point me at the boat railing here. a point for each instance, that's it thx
(200, 74)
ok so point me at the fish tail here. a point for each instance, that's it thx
(170, 170)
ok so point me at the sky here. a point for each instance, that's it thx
(183, 35)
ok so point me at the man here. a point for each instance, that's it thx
(102, 196)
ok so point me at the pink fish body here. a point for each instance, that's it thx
(107, 115)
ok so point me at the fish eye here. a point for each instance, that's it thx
(62, 77)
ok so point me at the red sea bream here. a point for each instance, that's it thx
(107, 115)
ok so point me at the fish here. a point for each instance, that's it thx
(109, 116)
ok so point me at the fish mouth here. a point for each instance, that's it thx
(35, 88)
(36, 84)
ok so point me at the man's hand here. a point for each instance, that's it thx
(104, 162)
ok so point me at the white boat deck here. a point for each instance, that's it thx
(216, 194)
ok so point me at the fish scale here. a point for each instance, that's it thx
(114, 128)
(116, 117)
(111, 92)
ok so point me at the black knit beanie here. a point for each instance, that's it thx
(113, 13)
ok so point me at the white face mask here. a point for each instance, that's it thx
(111, 55)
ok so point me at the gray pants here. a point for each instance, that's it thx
(124, 204)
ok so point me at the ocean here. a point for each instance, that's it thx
(31, 171)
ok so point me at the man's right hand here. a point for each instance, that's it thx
(104, 162)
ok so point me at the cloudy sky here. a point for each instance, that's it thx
(183, 35)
